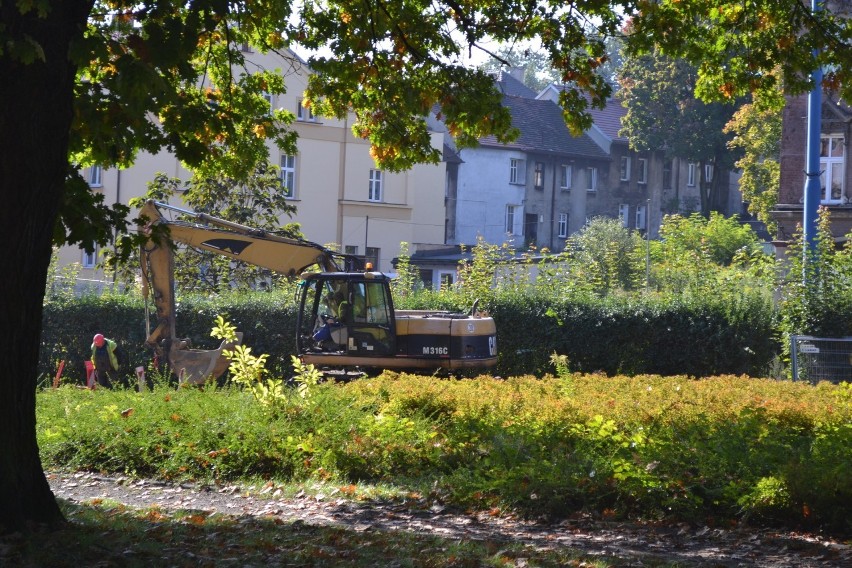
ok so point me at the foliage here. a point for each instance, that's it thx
(655, 86)
(815, 294)
(756, 127)
(716, 239)
(739, 48)
(607, 255)
(478, 275)
(713, 450)
(538, 73)
(406, 280)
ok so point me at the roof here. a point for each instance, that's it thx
(543, 129)
(607, 119)
(509, 85)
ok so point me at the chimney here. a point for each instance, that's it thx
(517, 73)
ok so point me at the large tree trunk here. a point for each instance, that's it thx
(36, 107)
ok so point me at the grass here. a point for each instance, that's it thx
(107, 534)
(718, 451)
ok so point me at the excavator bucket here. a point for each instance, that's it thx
(197, 366)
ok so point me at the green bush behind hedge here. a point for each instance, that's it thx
(689, 334)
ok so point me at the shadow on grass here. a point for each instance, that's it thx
(103, 534)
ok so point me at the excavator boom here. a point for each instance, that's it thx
(268, 250)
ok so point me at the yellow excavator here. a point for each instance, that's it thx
(346, 319)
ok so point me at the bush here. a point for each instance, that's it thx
(711, 451)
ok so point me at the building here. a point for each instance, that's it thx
(341, 197)
(834, 166)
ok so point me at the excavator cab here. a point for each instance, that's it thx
(344, 315)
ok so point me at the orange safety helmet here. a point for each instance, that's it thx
(98, 340)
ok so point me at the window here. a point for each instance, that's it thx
(288, 175)
(641, 217)
(563, 225)
(90, 259)
(268, 98)
(351, 249)
(591, 179)
(667, 174)
(623, 213)
(565, 176)
(375, 193)
(690, 175)
(831, 158)
(245, 47)
(510, 219)
(625, 168)
(517, 171)
(95, 176)
(643, 170)
(305, 114)
(708, 172)
(538, 178)
(372, 255)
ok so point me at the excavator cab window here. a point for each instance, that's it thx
(348, 314)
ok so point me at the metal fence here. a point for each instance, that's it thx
(817, 359)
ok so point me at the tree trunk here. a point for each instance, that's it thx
(36, 108)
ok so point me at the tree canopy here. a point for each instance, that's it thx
(664, 114)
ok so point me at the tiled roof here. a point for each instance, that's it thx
(508, 85)
(543, 130)
(607, 119)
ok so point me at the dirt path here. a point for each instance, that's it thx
(644, 544)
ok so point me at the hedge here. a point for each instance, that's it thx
(700, 336)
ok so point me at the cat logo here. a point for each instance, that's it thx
(230, 246)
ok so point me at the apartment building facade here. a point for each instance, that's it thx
(341, 197)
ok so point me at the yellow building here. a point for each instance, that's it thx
(340, 195)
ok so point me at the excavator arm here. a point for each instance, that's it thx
(204, 232)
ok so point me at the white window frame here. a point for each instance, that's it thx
(830, 164)
(624, 169)
(691, 170)
(708, 173)
(96, 176)
(288, 175)
(517, 171)
(643, 171)
(641, 216)
(304, 114)
(566, 173)
(511, 219)
(89, 259)
(591, 179)
(624, 214)
(538, 176)
(374, 193)
(668, 165)
(563, 225)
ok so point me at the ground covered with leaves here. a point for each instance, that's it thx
(117, 521)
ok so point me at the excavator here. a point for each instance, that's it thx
(346, 320)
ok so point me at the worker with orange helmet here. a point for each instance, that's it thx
(104, 359)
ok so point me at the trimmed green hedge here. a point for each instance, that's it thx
(267, 320)
(688, 336)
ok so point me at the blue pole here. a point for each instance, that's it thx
(812, 184)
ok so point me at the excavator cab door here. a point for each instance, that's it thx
(346, 313)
